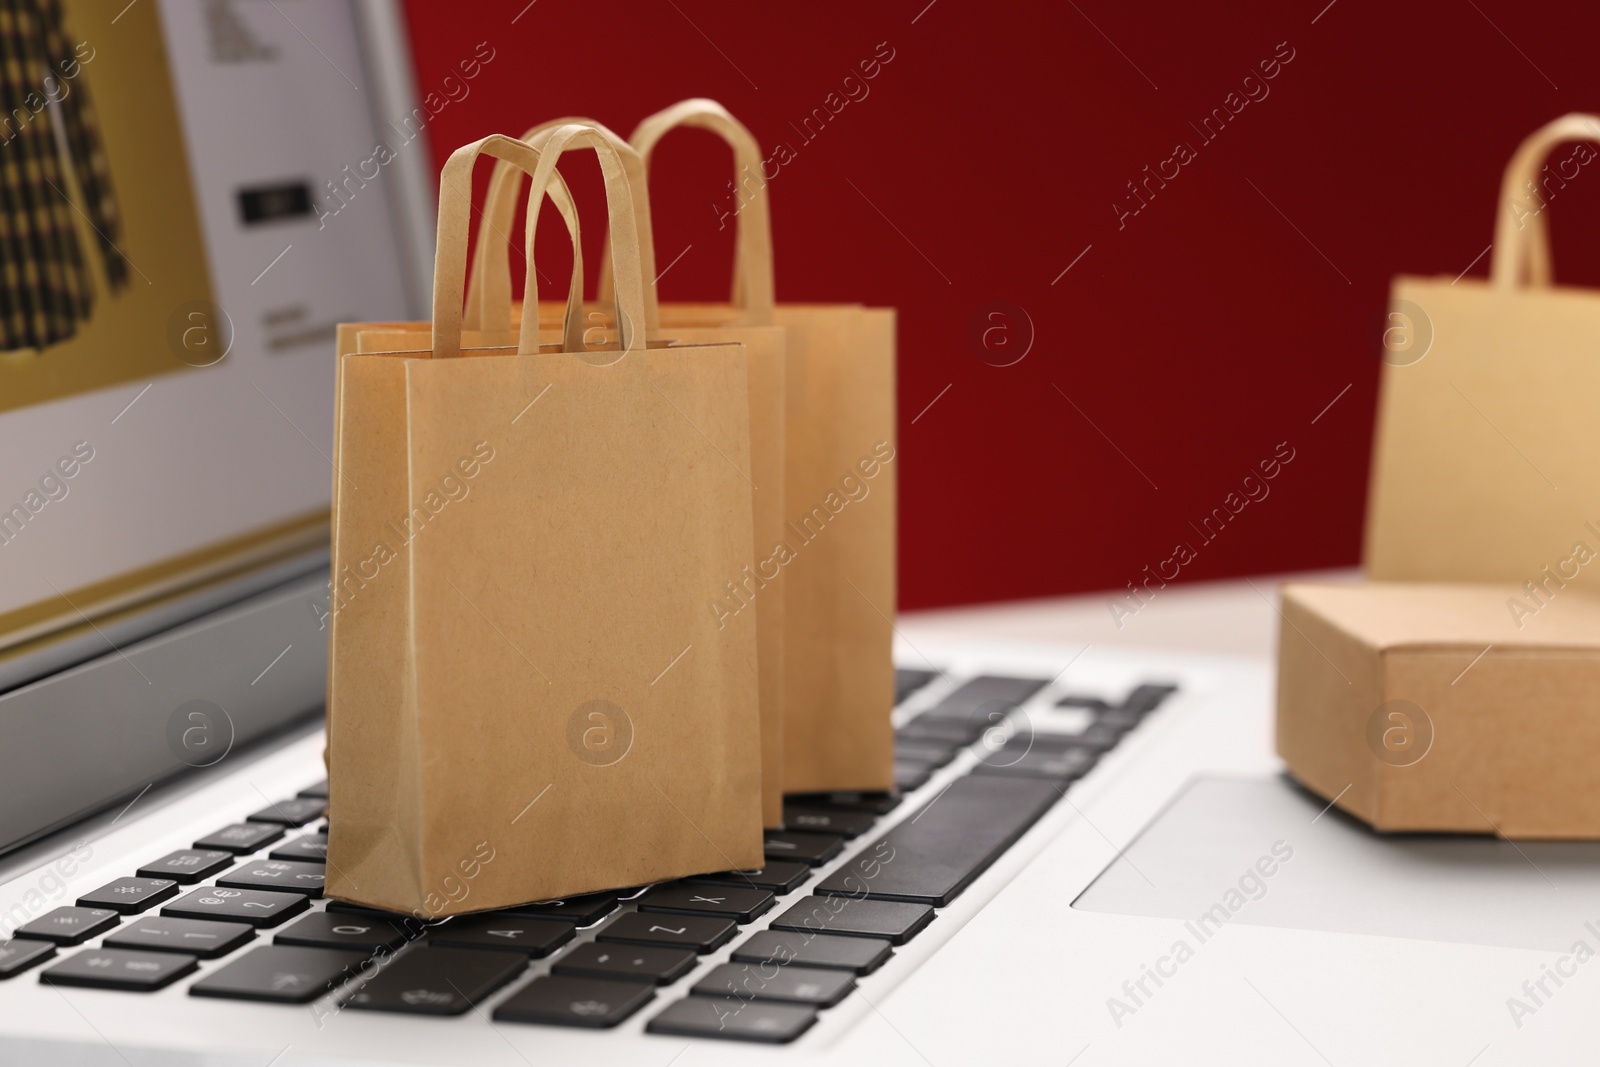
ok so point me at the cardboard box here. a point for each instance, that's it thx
(1435, 707)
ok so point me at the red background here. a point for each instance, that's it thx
(1216, 323)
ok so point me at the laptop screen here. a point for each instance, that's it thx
(196, 198)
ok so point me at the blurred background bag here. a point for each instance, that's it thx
(530, 698)
(1485, 466)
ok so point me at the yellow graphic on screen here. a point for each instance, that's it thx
(100, 242)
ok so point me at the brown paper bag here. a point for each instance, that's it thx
(490, 310)
(833, 556)
(836, 551)
(1485, 466)
(378, 337)
(530, 699)
(489, 320)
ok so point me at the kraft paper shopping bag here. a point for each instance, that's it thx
(490, 310)
(489, 320)
(1485, 466)
(836, 551)
(349, 336)
(529, 700)
(833, 555)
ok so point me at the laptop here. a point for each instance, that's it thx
(1091, 855)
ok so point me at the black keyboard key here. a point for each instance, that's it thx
(1095, 704)
(735, 983)
(188, 865)
(1040, 760)
(308, 848)
(697, 933)
(909, 775)
(280, 974)
(875, 803)
(116, 968)
(931, 858)
(1097, 737)
(823, 820)
(195, 937)
(69, 926)
(922, 750)
(412, 924)
(436, 981)
(627, 962)
(859, 955)
(776, 876)
(242, 838)
(257, 907)
(1146, 698)
(285, 876)
(296, 811)
(815, 849)
(893, 920)
(984, 701)
(961, 731)
(740, 905)
(776, 1024)
(318, 791)
(1117, 720)
(937, 731)
(908, 681)
(18, 954)
(323, 929)
(566, 1000)
(499, 932)
(581, 911)
(129, 896)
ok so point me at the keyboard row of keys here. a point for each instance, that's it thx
(153, 952)
(888, 892)
(776, 981)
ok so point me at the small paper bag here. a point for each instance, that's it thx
(489, 310)
(1485, 467)
(836, 548)
(529, 697)
(830, 551)
(488, 320)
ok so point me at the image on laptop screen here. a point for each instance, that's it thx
(183, 242)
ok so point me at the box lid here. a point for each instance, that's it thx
(1421, 615)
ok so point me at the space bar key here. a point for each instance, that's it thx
(930, 857)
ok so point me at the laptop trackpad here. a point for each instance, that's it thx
(1263, 852)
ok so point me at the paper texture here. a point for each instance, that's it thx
(1484, 467)
(837, 551)
(1427, 707)
(832, 559)
(529, 697)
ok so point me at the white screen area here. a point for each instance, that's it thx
(276, 95)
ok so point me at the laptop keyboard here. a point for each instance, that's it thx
(243, 907)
